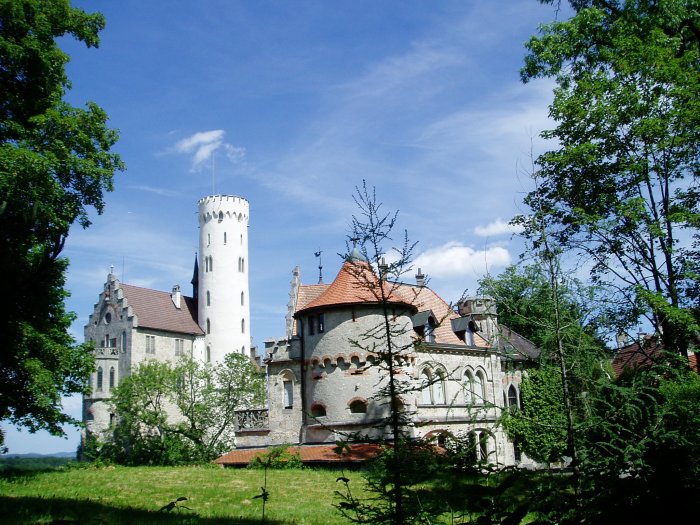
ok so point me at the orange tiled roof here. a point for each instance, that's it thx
(156, 310)
(356, 283)
(308, 454)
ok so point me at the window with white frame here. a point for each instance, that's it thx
(288, 393)
(426, 394)
(179, 347)
(150, 344)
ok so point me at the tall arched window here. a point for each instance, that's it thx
(111, 377)
(512, 397)
(468, 387)
(211, 263)
(426, 394)
(221, 216)
(208, 298)
(242, 264)
(99, 379)
(225, 236)
(439, 388)
(242, 298)
(124, 341)
(208, 353)
(208, 326)
(242, 326)
(479, 387)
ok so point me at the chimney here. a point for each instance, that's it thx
(383, 269)
(175, 296)
(420, 278)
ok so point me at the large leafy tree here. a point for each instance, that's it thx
(55, 164)
(171, 414)
(621, 188)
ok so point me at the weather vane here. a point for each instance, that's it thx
(320, 266)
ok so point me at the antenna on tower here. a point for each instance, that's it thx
(320, 266)
(213, 174)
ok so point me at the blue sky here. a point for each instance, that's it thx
(297, 102)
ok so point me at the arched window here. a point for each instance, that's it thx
(225, 237)
(124, 341)
(318, 410)
(208, 239)
(111, 377)
(468, 387)
(221, 216)
(358, 406)
(208, 357)
(242, 326)
(426, 394)
(242, 298)
(479, 387)
(99, 379)
(512, 397)
(208, 326)
(439, 388)
(208, 298)
(211, 263)
(242, 264)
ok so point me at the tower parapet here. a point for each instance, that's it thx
(224, 301)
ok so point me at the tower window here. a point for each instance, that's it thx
(111, 377)
(99, 379)
(221, 216)
(208, 298)
(288, 387)
(208, 356)
(208, 239)
(242, 326)
(224, 237)
(208, 326)
(242, 298)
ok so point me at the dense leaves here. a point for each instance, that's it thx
(621, 188)
(55, 164)
(169, 415)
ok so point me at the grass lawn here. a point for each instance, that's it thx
(134, 495)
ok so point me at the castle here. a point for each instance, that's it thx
(458, 367)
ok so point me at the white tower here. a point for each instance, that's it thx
(224, 303)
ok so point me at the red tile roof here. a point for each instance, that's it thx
(636, 355)
(156, 310)
(356, 283)
(308, 453)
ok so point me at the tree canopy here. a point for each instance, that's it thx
(55, 165)
(621, 188)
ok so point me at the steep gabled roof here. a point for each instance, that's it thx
(155, 309)
(514, 346)
(356, 283)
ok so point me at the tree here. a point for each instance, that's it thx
(55, 164)
(621, 189)
(178, 414)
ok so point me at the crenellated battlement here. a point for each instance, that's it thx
(223, 208)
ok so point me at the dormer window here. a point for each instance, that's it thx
(424, 325)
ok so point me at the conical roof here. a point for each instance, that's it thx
(356, 283)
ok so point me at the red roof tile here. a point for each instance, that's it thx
(308, 454)
(356, 283)
(156, 310)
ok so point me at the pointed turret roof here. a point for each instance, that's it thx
(356, 283)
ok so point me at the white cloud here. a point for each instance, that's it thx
(158, 191)
(454, 259)
(496, 228)
(203, 144)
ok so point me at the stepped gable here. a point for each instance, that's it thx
(155, 309)
(356, 283)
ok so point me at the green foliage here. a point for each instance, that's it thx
(55, 164)
(540, 427)
(622, 187)
(284, 456)
(205, 397)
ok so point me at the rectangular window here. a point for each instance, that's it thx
(179, 347)
(288, 394)
(311, 325)
(321, 324)
(150, 344)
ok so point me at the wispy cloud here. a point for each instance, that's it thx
(203, 144)
(496, 228)
(158, 191)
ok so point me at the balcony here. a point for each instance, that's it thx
(104, 352)
(252, 420)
